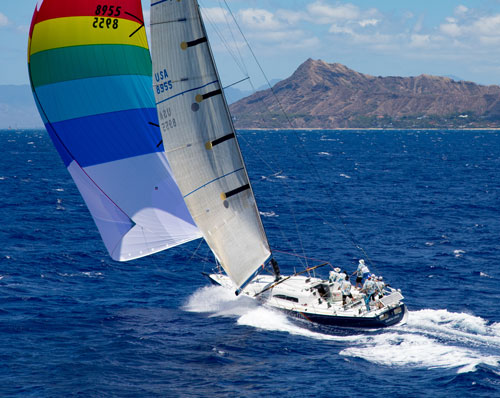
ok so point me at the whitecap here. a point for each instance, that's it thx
(458, 253)
(344, 175)
(324, 154)
(89, 274)
(484, 275)
(268, 214)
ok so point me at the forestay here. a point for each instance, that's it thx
(90, 72)
(200, 141)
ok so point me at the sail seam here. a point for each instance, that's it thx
(159, 2)
(215, 179)
(184, 92)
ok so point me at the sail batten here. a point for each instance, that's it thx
(200, 141)
(90, 71)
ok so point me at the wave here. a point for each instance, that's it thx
(430, 339)
(434, 339)
(268, 214)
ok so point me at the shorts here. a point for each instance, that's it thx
(359, 279)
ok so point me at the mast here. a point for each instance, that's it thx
(230, 119)
(200, 140)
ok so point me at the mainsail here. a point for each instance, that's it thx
(90, 72)
(200, 141)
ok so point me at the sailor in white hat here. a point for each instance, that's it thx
(361, 272)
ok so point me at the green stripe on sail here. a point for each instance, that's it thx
(82, 62)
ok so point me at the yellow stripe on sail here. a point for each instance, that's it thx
(82, 31)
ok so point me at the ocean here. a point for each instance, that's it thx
(421, 206)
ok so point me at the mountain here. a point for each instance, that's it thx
(322, 95)
(17, 108)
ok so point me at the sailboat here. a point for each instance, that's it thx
(159, 165)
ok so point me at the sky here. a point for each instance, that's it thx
(458, 38)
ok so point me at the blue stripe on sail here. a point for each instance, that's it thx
(85, 97)
(187, 91)
(104, 138)
(215, 179)
(63, 152)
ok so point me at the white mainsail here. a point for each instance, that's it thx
(200, 141)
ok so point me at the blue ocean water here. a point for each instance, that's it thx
(423, 205)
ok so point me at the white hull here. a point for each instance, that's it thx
(318, 301)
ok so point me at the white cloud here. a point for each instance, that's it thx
(340, 29)
(4, 21)
(461, 10)
(368, 22)
(451, 29)
(291, 17)
(488, 26)
(259, 19)
(417, 40)
(322, 13)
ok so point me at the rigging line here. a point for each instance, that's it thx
(226, 44)
(234, 40)
(254, 90)
(239, 81)
(259, 65)
(196, 250)
(293, 254)
(230, 121)
(349, 233)
(199, 256)
(292, 211)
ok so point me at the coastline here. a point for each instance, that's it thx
(370, 129)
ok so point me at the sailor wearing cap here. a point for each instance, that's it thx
(334, 275)
(380, 285)
(361, 272)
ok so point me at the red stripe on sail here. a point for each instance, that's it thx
(124, 9)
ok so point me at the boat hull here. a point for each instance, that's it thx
(391, 316)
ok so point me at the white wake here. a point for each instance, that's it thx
(430, 339)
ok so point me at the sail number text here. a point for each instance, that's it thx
(162, 84)
(108, 11)
(105, 22)
(104, 11)
(167, 122)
